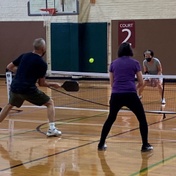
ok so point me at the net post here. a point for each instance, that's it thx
(8, 82)
(164, 116)
(163, 88)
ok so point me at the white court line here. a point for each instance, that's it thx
(77, 109)
(67, 108)
(99, 110)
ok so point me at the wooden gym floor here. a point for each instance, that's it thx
(26, 151)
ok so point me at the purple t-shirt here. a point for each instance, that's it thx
(124, 70)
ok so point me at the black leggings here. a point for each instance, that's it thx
(130, 100)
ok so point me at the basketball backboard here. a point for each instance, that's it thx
(62, 7)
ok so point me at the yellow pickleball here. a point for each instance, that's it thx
(91, 60)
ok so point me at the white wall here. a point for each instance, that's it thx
(103, 10)
(107, 10)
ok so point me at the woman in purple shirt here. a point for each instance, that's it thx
(122, 79)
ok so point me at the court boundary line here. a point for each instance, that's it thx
(92, 142)
(54, 154)
(100, 110)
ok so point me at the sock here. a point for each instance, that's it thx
(52, 125)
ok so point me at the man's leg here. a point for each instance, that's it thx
(39, 98)
(50, 110)
(51, 117)
(5, 112)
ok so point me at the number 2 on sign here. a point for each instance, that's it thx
(128, 35)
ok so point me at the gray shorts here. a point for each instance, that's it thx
(38, 98)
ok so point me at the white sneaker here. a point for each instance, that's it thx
(140, 96)
(53, 132)
(163, 101)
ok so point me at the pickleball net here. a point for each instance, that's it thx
(95, 91)
(93, 94)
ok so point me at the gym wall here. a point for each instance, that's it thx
(17, 38)
(157, 35)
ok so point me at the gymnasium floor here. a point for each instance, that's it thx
(26, 151)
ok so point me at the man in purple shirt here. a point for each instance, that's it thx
(122, 79)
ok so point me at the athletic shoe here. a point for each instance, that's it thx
(163, 101)
(53, 132)
(101, 148)
(140, 96)
(146, 148)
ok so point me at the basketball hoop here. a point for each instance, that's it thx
(47, 15)
(93, 2)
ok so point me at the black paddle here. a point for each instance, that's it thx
(71, 86)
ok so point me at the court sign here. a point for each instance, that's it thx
(126, 32)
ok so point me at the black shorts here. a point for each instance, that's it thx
(38, 98)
